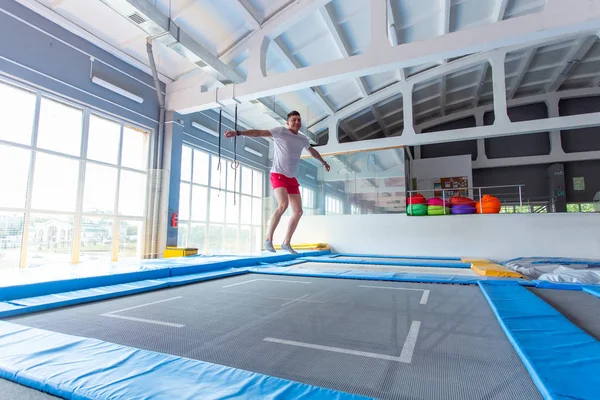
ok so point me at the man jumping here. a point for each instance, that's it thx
(288, 149)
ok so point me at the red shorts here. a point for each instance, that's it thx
(281, 181)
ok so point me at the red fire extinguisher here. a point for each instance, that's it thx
(174, 220)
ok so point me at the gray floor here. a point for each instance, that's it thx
(579, 307)
(317, 327)
(14, 391)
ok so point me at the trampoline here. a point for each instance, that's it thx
(384, 340)
(299, 327)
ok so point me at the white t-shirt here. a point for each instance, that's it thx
(288, 148)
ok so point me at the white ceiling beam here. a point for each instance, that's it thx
(532, 160)
(480, 132)
(523, 69)
(423, 78)
(340, 43)
(293, 63)
(567, 94)
(559, 18)
(445, 8)
(393, 36)
(497, 16)
(276, 25)
(499, 10)
(574, 56)
(383, 127)
(243, 9)
(349, 131)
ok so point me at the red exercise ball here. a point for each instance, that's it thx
(416, 199)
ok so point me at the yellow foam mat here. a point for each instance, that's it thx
(305, 246)
(179, 252)
(477, 260)
(487, 268)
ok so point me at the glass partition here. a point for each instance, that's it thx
(365, 182)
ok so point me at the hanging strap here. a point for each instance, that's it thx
(219, 163)
(235, 164)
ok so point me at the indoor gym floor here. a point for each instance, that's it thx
(387, 340)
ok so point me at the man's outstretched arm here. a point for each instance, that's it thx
(313, 152)
(249, 133)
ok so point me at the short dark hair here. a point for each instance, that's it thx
(292, 113)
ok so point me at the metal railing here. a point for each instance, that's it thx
(507, 194)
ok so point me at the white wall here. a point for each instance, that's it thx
(427, 169)
(496, 236)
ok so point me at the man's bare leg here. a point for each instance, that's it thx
(281, 195)
(295, 202)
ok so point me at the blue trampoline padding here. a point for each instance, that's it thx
(204, 276)
(558, 285)
(369, 275)
(8, 308)
(595, 291)
(79, 368)
(408, 257)
(285, 263)
(238, 263)
(434, 264)
(563, 360)
(50, 301)
(69, 285)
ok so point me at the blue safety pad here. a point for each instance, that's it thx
(78, 368)
(564, 361)
(593, 290)
(369, 275)
(203, 276)
(50, 301)
(6, 308)
(285, 263)
(434, 264)
(408, 257)
(236, 262)
(559, 285)
(80, 283)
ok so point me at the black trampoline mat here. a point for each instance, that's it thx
(378, 339)
(579, 307)
(14, 391)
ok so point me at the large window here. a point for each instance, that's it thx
(333, 205)
(308, 200)
(73, 182)
(220, 208)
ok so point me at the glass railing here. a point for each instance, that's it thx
(367, 182)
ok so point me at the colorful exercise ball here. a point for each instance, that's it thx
(463, 201)
(416, 209)
(488, 205)
(438, 210)
(416, 199)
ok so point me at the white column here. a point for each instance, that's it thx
(333, 124)
(257, 57)
(499, 82)
(417, 152)
(481, 156)
(555, 141)
(407, 101)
